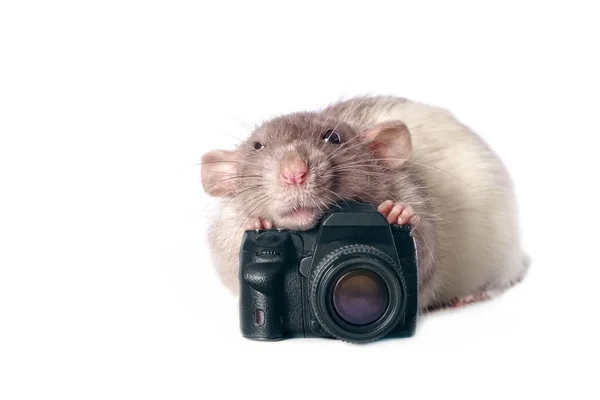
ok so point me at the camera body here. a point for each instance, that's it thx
(352, 277)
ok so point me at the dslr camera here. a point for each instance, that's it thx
(352, 277)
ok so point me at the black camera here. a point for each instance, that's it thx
(352, 277)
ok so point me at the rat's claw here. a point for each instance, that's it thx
(259, 224)
(406, 215)
(398, 213)
(414, 221)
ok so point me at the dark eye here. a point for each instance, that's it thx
(332, 136)
(258, 146)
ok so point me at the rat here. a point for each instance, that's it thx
(416, 162)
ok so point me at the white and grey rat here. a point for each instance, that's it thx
(417, 162)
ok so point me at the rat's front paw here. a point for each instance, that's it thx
(397, 213)
(260, 224)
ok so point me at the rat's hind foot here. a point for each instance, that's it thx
(398, 213)
(459, 302)
(470, 299)
(259, 223)
(487, 292)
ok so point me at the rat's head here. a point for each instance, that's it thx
(291, 169)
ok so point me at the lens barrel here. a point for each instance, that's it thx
(357, 293)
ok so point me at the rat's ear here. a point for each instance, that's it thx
(391, 142)
(218, 172)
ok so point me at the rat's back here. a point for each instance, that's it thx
(478, 249)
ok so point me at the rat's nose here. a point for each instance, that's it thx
(294, 170)
(293, 178)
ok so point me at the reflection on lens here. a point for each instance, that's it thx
(360, 297)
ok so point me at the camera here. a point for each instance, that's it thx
(352, 277)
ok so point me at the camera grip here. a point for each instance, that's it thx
(260, 314)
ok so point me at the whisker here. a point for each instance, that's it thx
(261, 199)
(374, 163)
(242, 191)
(243, 125)
(424, 165)
(245, 162)
(261, 154)
(265, 200)
(426, 245)
(335, 194)
(226, 203)
(234, 177)
(344, 148)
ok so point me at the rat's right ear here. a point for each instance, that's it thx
(218, 172)
(391, 142)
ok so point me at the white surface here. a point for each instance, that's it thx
(106, 289)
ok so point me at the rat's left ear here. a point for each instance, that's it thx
(391, 142)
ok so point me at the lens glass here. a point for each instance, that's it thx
(360, 297)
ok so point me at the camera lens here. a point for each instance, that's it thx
(360, 297)
(357, 293)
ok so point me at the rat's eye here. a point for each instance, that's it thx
(332, 136)
(258, 145)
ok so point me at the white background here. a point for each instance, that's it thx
(106, 288)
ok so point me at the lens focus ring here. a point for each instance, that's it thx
(331, 269)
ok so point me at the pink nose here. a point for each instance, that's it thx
(294, 173)
(293, 178)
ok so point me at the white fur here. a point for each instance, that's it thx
(478, 234)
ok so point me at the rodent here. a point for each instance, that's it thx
(416, 161)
